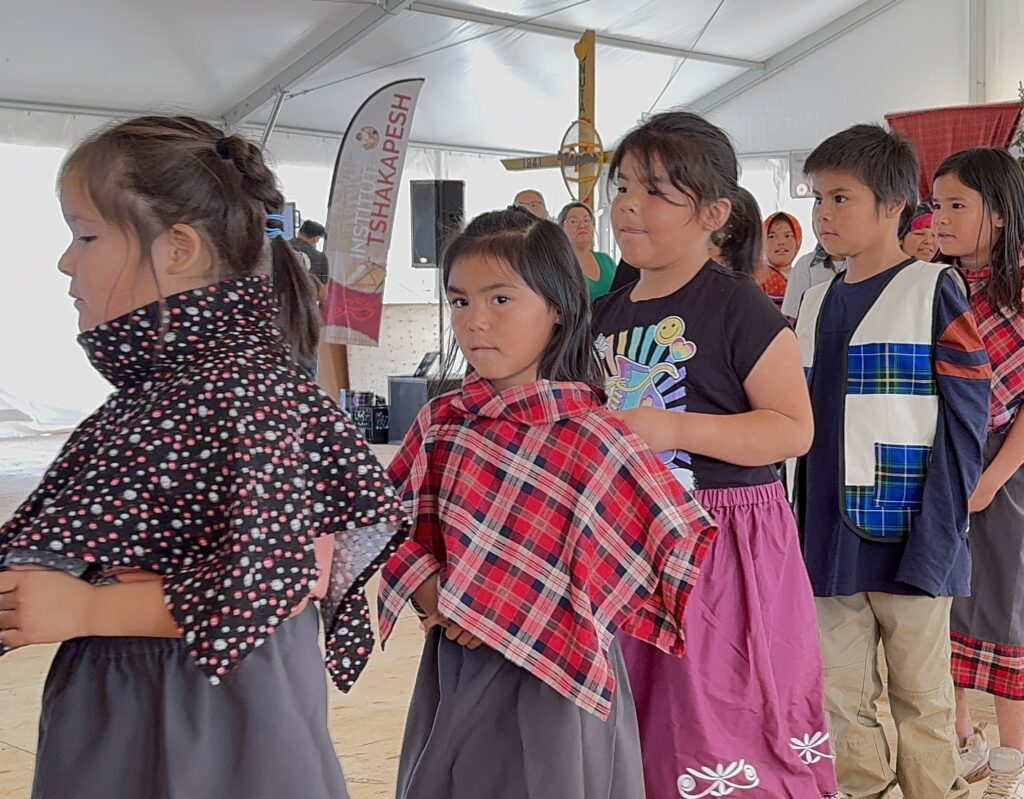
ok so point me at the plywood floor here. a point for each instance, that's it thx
(366, 724)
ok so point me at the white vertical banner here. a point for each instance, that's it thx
(361, 212)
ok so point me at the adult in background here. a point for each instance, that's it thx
(809, 270)
(782, 239)
(577, 220)
(306, 241)
(533, 201)
(918, 239)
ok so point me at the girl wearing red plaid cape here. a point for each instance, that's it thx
(979, 219)
(542, 526)
(705, 369)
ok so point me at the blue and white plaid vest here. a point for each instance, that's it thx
(891, 404)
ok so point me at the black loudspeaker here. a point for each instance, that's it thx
(438, 211)
(408, 395)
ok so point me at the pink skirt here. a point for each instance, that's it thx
(743, 712)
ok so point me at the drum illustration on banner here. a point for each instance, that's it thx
(361, 212)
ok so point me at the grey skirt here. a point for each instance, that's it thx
(480, 727)
(994, 612)
(133, 718)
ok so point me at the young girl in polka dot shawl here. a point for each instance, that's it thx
(175, 543)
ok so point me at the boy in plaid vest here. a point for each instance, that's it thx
(899, 382)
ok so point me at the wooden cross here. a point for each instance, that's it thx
(581, 149)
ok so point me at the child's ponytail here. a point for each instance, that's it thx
(295, 291)
(740, 239)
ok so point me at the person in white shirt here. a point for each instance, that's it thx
(810, 270)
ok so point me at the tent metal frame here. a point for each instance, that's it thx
(796, 52)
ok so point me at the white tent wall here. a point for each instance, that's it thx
(1004, 55)
(912, 56)
(43, 372)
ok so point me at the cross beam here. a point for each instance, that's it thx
(589, 158)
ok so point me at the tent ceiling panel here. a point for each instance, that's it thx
(483, 89)
(748, 29)
(508, 88)
(773, 116)
(192, 54)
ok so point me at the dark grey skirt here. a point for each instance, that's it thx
(133, 718)
(994, 612)
(480, 727)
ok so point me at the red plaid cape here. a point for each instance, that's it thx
(552, 526)
(1004, 342)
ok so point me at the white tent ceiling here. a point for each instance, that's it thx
(779, 75)
(501, 75)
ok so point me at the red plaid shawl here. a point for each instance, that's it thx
(552, 527)
(1004, 341)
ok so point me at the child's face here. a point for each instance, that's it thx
(963, 227)
(656, 232)
(501, 325)
(108, 275)
(920, 244)
(780, 244)
(847, 217)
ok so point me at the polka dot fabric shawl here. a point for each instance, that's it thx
(215, 464)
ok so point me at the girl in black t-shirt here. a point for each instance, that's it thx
(703, 367)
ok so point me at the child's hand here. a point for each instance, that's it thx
(983, 495)
(42, 606)
(452, 631)
(425, 597)
(648, 423)
(460, 636)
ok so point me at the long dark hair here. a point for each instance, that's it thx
(150, 173)
(998, 178)
(540, 253)
(740, 238)
(701, 163)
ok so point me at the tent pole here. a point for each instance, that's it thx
(272, 122)
(440, 316)
(978, 49)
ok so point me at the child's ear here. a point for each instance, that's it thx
(997, 220)
(180, 252)
(894, 208)
(716, 214)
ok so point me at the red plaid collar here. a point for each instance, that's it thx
(543, 402)
(550, 527)
(1003, 335)
(976, 279)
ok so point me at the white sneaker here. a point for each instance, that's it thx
(974, 755)
(1007, 768)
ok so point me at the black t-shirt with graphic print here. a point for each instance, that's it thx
(689, 351)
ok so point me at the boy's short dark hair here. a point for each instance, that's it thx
(882, 160)
(312, 229)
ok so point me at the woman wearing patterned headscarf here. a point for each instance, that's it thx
(782, 239)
